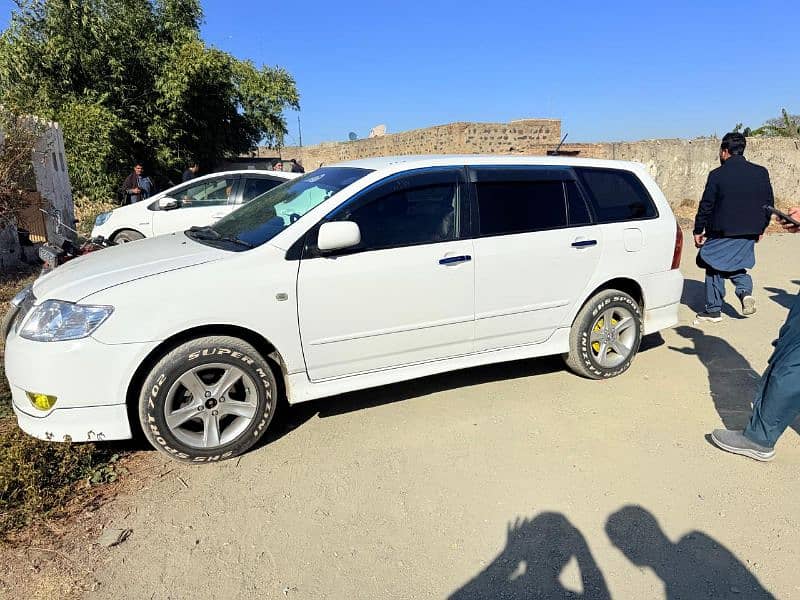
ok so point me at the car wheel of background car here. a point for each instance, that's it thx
(127, 235)
(208, 400)
(605, 335)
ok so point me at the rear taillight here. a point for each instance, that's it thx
(676, 254)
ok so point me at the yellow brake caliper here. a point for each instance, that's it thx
(598, 327)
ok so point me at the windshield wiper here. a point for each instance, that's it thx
(208, 233)
(234, 240)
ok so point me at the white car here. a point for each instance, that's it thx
(200, 201)
(353, 276)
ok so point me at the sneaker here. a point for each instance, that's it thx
(710, 317)
(736, 442)
(748, 304)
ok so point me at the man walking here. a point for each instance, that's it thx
(777, 403)
(729, 221)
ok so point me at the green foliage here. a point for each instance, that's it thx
(132, 80)
(784, 126)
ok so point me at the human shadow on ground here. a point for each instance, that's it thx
(732, 381)
(532, 563)
(696, 566)
(783, 297)
(694, 296)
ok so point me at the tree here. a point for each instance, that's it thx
(132, 80)
(784, 126)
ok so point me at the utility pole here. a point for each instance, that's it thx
(299, 131)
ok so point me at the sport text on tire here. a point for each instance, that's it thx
(208, 400)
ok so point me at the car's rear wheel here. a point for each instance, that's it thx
(605, 335)
(207, 400)
(127, 235)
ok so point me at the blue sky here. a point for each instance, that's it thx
(610, 71)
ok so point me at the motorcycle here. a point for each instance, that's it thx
(60, 249)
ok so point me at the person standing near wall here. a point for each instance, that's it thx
(729, 221)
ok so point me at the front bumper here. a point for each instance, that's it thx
(90, 380)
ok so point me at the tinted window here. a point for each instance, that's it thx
(616, 195)
(519, 206)
(405, 217)
(256, 187)
(211, 192)
(576, 205)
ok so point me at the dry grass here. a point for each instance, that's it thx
(87, 210)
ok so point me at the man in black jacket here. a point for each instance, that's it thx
(729, 221)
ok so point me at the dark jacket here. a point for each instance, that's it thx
(130, 183)
(733, 199)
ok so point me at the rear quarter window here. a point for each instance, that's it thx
(616, 195)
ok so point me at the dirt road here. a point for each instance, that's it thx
(497, 482)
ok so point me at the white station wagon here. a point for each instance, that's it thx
(352, 276)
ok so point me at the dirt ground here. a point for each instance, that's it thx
(509, 481)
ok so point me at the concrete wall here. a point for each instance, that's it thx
(52, 178)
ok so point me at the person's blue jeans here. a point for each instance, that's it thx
(777, 403)
(715, 287)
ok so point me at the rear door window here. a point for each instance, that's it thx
(519, 201)
(616, 195)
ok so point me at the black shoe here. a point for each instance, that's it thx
(709, 317)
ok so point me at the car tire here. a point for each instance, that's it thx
(208, 400)
(605, 335)
(127, 235)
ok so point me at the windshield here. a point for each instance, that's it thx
(267, 215)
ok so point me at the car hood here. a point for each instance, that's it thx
(115, 265)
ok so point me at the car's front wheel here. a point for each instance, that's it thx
(127, 235)
(605, 335)
(208, 400)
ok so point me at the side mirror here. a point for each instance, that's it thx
(167, 203)
(338, 235)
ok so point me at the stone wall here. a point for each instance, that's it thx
(525, 136)
(679, 166)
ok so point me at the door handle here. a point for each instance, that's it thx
(584, 243)
(452, 260)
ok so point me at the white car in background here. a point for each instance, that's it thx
(353, 276)
(200, 201)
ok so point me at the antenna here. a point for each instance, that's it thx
(352, 136)
(556, 151)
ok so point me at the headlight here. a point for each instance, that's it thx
(102, 218)
(57, 321)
